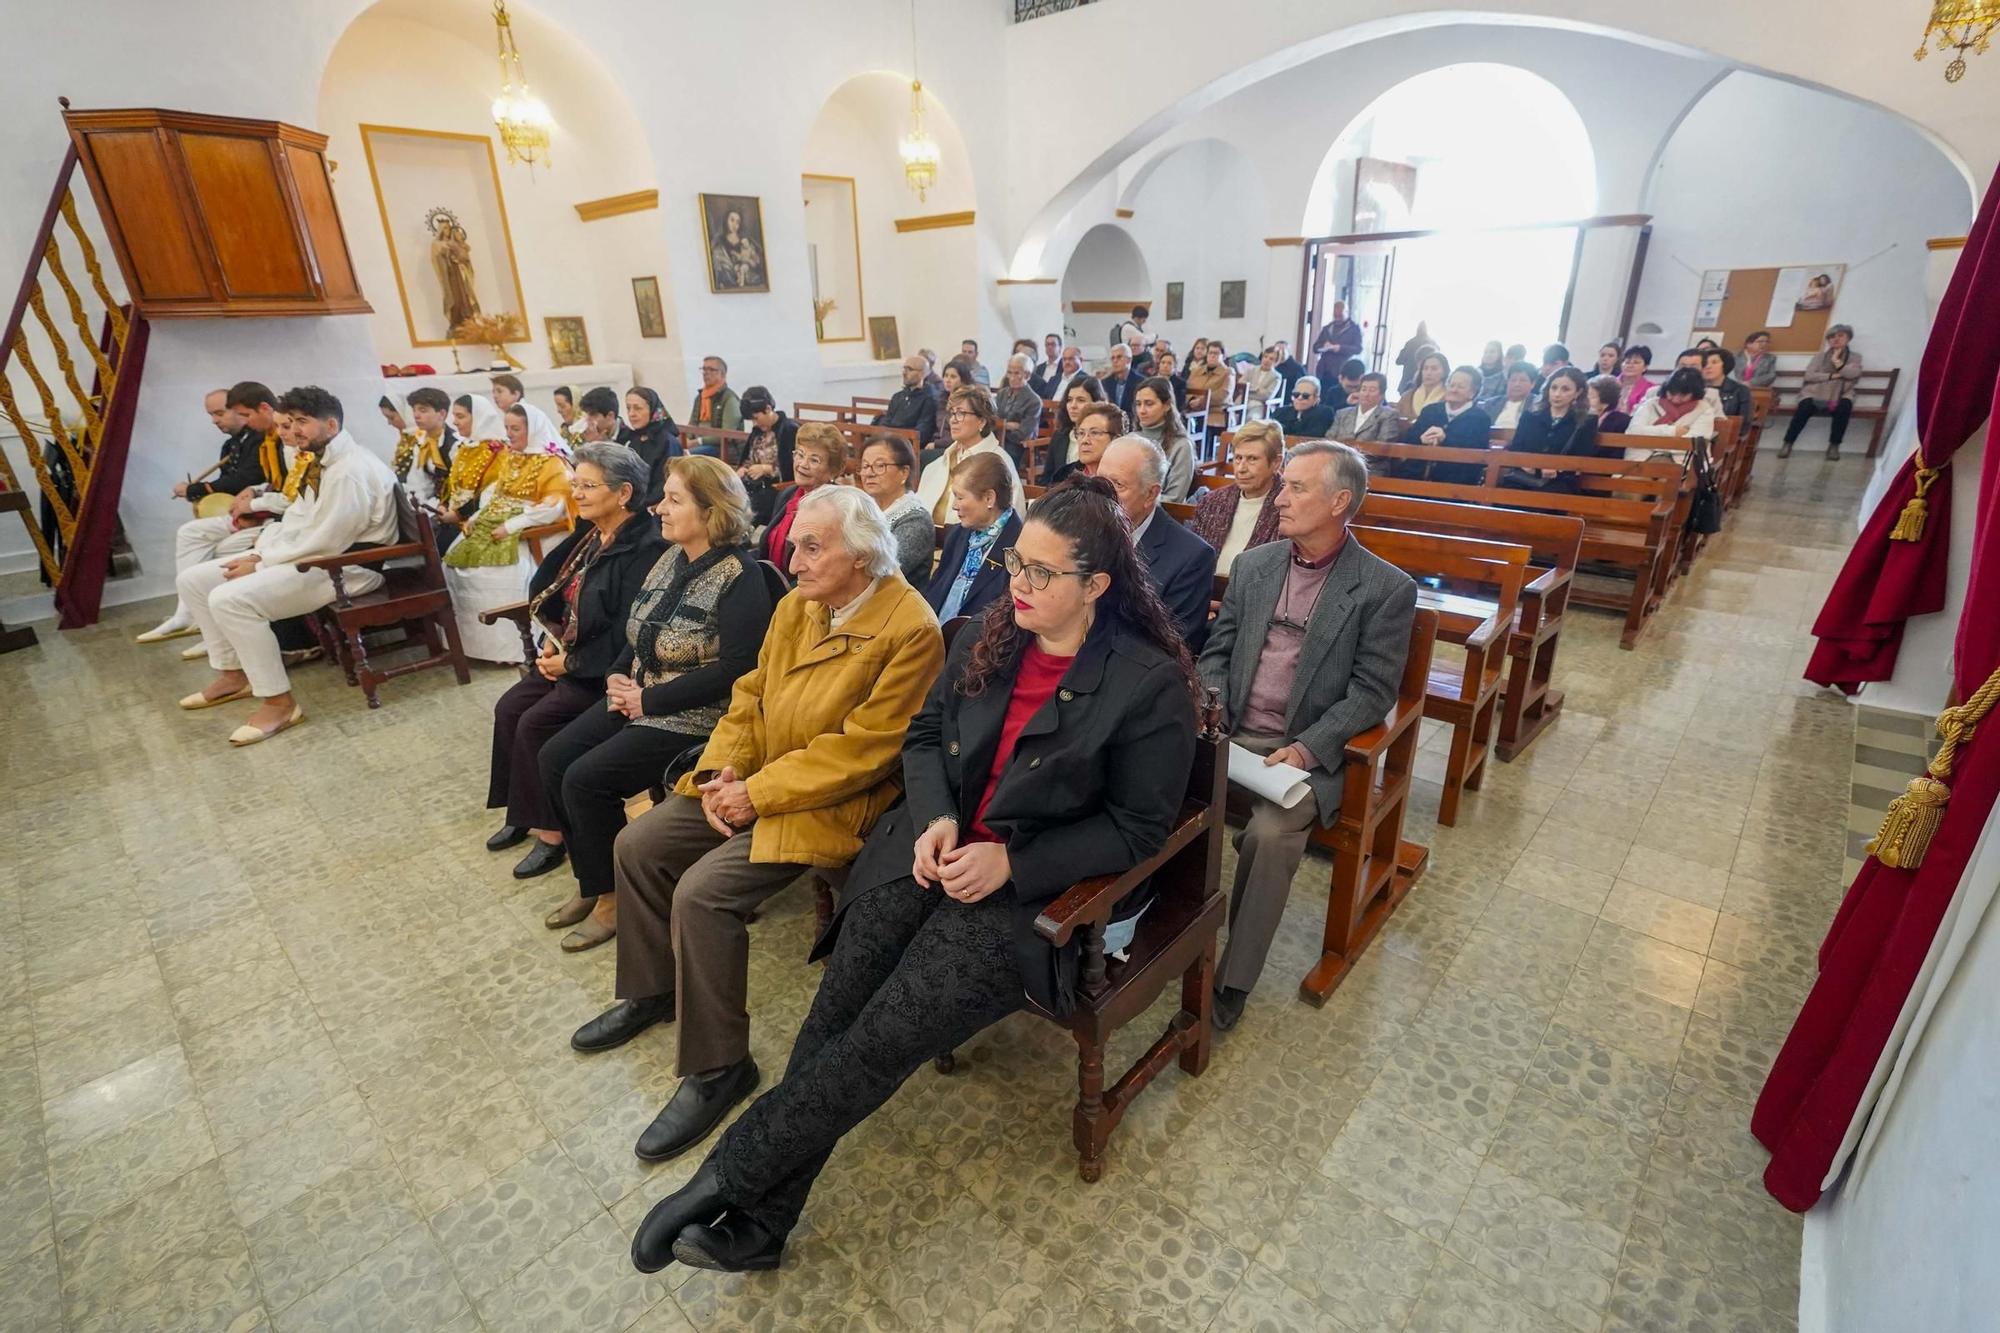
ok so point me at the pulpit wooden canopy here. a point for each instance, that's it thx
(214, 215)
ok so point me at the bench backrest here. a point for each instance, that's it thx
(735, 444)
(1872, 392)
(1553, 540)
(829, 411)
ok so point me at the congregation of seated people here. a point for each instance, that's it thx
(753, 634)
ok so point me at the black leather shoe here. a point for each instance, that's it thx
(1227, 1007)
(622, 1022)
(696, 1108)
(545, 857)
(696, 1203)
(510, 835)
(734, 1244)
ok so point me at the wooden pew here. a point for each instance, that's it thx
(846, 412)
(1373, 867)
(868, 406)
(1872, 394)
(734, 445)
(1464, 696)
(1632, 512)
(1554, 541)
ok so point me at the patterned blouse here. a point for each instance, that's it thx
(675, 627)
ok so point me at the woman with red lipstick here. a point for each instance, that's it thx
(1044, 755)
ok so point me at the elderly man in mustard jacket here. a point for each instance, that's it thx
(794, 776)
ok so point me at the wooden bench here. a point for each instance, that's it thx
(1373, 867)
(732, 445)
(846, 412)
(1872, 393)
(413, 597)
(1530, 702)
(1480, 590)
(1633, 513)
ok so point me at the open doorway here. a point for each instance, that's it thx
(1464, 248)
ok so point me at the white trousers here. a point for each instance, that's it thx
(202, 539)
(235, 615)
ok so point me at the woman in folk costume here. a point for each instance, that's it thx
(482, 437)
(489, 565)
(544, 435)
(569, 417)
(424, 440)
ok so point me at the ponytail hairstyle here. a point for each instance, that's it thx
(1084, 511)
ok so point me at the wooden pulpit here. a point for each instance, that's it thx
(214, 215)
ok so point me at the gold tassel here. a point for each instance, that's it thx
(1910, 523)
(1914, 818)
(1910, 825)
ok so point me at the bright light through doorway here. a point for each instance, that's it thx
(1528, 160)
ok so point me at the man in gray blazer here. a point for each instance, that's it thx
(1308, 651)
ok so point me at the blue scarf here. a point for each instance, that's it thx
(968, 569)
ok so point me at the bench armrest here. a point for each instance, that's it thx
(1090, 902)
(1367, 748)
(1541, 599)
(514, 611)
(368, 556)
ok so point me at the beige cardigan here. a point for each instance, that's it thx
(1826, 386)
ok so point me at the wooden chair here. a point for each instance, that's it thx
(412, 598)
(1373, 867)
(1465, 697)
(1175, 941)
(540, 541)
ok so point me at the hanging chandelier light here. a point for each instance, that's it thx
(521, 117)
(918, 150)
(1961, 26)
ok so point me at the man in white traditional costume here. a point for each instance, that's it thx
(344, 496)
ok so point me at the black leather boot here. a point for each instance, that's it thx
(696, 1203)
(735, 1244)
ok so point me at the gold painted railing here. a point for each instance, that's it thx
(81, 429)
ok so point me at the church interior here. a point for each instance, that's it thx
(1572, 916)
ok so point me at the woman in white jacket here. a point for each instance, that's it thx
(1683, 407)
(974, 426)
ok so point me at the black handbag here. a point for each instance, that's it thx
(1705, 513)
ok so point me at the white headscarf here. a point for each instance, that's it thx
(544, 434)
(401, 402)
(489, 423)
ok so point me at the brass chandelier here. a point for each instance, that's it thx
(521, 117)
(1960, 26)
(918, 150)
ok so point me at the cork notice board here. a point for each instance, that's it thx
(1744, 306)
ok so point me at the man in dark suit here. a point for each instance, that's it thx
(1047, 374)
(1305, 414)
(1181, 564)
(1120, 381)
(1455, 423)
(915, 405)
(1308, 651)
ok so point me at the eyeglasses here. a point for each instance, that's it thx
(580, 487)
(870, 469)
(1037, 577)
(959, 416)
(1301, 395)
(1091, 433)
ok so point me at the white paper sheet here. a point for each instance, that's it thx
(1785, 297)
(1281, 783)
(1715, 284)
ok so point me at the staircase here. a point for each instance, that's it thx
(73, 436)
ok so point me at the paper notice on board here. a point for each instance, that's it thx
(1785, 297)
(1282, 783)
(1714, 285)
(1708, 312)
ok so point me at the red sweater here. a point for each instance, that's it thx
(1036, 681)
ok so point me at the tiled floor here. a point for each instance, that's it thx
(281, 1046)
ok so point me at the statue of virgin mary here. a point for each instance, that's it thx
(451, 260)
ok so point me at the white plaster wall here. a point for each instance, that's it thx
(1808, 207)
(1912, 1247)
(1199, 218)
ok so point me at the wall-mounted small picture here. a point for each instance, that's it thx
(884, 343)
(652, 318)
(1176, 300)
(732, 227)
(569, 343)
(1233, 299)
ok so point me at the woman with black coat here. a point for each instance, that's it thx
(695, 626)
(580, 595)
(1559, 424)
(1045, 754)
(650, 432)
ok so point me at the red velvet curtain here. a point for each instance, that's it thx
(1886, 582)
(1885, 926)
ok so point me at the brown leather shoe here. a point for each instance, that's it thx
(576, 909)
(588, 936)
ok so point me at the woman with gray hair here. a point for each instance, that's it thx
(795, 774)
(693, 629)
(578, 599)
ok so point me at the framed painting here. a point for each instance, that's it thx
(732, 231)
(569, 342)
(652, 315)
(884, 343)
(1176, 300)
(446, 223)
(1232, 302)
